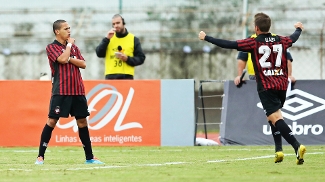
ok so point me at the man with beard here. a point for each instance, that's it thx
(122, 51)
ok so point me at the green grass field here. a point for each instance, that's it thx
(208, 163)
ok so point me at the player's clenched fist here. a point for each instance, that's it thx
(202, 35)
(299, 25)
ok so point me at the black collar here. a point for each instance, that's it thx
(121, 35)
(57, 43)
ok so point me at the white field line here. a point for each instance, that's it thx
(118, 151)
(162, 164)
(261, 157)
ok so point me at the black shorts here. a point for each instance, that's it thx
(272, 100)
(63, 105)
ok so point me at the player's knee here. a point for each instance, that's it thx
(274, 117)
(52, 122)
(81, 122)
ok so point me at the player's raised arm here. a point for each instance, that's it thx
(295, 36)
(218, 42)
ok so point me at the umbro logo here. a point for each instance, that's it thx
(300, 104)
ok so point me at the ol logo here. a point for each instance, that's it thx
(108, 111)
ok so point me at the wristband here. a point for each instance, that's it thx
(69, 59)
(69, 45)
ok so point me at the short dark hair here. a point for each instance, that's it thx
(57, 25)
(263, 22)
(118, 15)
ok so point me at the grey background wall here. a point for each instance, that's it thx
(164, 31)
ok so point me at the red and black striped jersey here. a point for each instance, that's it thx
(269, 59)
(66, 78)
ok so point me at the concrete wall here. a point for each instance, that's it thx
(156, 66)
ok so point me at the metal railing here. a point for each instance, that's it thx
(203, 108)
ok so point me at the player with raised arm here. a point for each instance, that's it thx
(270, 64)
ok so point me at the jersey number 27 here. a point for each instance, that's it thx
(266, 51)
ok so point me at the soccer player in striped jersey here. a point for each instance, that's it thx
(270, 65)
(244, 59)
(68, 91)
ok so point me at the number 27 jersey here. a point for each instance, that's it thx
(269, 59)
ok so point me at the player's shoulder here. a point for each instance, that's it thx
(55, 43)
(51, 46)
